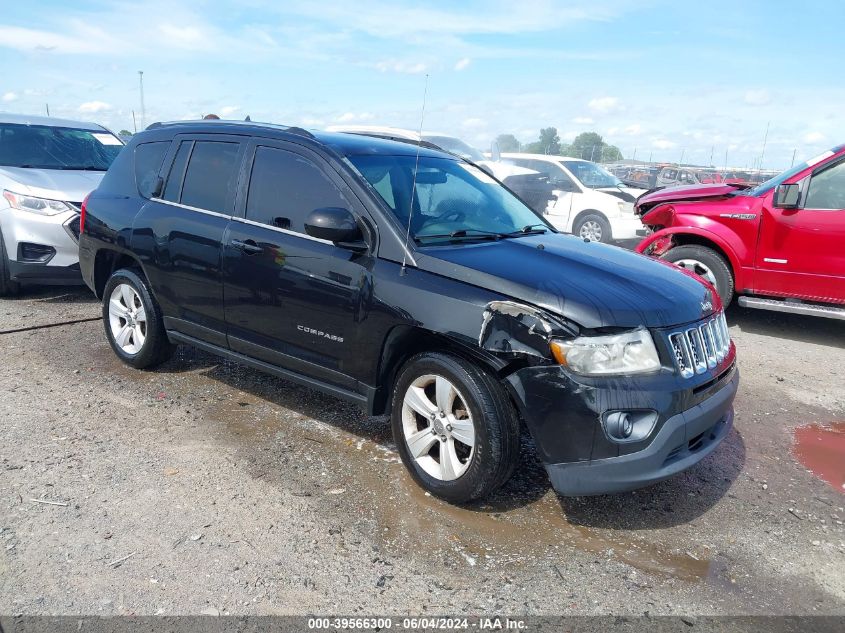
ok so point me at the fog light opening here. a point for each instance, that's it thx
(629, 426)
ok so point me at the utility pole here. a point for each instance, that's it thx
(712, 147)
(682, 157)
(143, 109)
(793, 157)
(763, 151)
(726, 159)
(47, 105)
(134, 123)
(635, 154)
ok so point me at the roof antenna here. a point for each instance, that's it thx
(414, 184)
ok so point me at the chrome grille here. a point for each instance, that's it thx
(702, 347)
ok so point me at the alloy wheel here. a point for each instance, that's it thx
(695, 266)
(438, 427)
(127, 319)
(591, 230)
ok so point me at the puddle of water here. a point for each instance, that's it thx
(821, 449)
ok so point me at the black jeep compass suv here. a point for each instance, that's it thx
(415, 284)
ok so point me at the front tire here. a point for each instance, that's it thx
(8, 288)
(454, 426)
(593, 227)
(706, 263)
(133, 322)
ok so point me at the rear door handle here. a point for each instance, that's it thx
(247, 246)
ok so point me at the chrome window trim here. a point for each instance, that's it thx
(190, 208)
(281, 230)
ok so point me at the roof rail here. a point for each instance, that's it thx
(300, 131)
(153, 126)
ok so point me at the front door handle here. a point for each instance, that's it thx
(247, 246)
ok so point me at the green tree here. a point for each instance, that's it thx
(508, 143)
(124, 133)
(610, 154)
(587, 145)
(548, 143)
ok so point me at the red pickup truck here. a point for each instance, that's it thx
(779, 245)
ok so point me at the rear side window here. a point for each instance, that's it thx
(211, 176)
(148, 159)
(285, 187)
(177, 171)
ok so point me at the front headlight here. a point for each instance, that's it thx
(628, 353)
(41, 206)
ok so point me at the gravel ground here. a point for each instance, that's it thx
(206, 487)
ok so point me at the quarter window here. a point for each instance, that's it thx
(827, 189)
(148, 159)
(177, 171)
(285, 187)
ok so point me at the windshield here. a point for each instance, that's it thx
(592, 175)
(451, 197)
(770, 184)
(455, 146)
(47, 147)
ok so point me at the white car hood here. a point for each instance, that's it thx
(629, 190)
(53, 184)
(503, 170)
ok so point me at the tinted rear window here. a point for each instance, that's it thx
(148, 159)
(211, 176)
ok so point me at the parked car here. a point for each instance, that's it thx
(531, 187)
(289, 252)
(589, 201)
(47, 166)
(779, 245)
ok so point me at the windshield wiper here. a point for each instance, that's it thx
(529, 229)
(464, 234)
(81, 168)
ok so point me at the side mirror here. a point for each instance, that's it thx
(787, 196)
(337, 225)
(495, 152)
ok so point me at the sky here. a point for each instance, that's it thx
(665, 80)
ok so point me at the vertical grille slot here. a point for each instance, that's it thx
(702, 347)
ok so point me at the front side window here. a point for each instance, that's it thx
(212, 176)
(285, 187)
(453, 199)
(827, 189)
(48, 147)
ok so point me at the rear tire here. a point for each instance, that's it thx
(472, 449)
(133, 322)
(8, 288)
(706, 263)
(593, 227)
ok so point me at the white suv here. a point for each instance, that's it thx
(47, 167)
(589, 200)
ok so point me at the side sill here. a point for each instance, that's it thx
(299, 379)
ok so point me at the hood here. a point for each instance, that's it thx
(589, 283)
(54, 184)
(502, 170)
(686, 192)
(628, 194)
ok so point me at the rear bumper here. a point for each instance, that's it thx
(684, 440)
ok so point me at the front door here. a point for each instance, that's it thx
(290, 299)
(801, 252)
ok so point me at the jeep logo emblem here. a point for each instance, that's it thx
(706, 306)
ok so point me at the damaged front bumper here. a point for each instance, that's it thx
(565, 413)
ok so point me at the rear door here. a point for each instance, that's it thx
(801, 252)
(180, 232)
(290, 299)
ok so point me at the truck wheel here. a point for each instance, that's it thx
(593, 227)
(133, 321)
(455, 427)
(8, 288)
(706, 263)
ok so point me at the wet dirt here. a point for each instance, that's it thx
(821, 449)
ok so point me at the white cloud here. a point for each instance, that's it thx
(34, 40)
(814, 137)
(758, 97)
(9, 97)
(474, 123)
(227, 110)
(349, 117)
(583, 120)
(604, 105)
(93, 107)
(462, 63)
(633, 129)
(189, 37)
(663, 144)
(410, 68)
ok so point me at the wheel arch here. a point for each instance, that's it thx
(106, 261)
(405, 341)
(698, 237)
